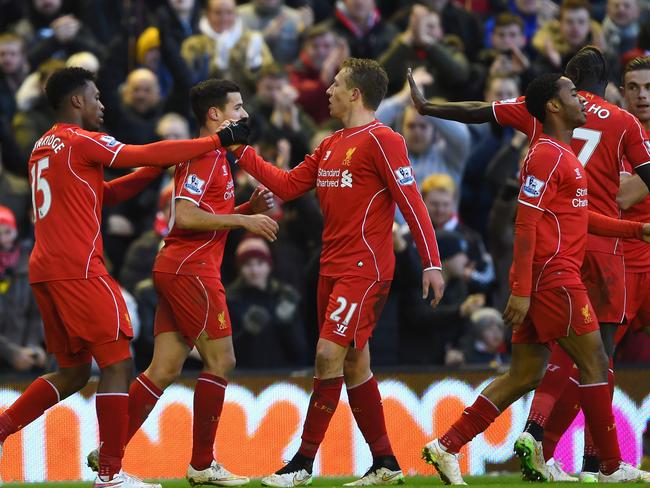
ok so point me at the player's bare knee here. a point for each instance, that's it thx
(164, 374)
(355, 372)
(220, 365)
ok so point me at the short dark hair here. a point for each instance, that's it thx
(640, 63)
(64, 82)
(506, 18)
(539, 92)
(587, 67)
(210, 93)
(369, 77)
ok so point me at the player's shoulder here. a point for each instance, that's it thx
(547, 152)
(384, 134)
(515, 102)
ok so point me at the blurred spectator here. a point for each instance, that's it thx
(320, 57)
(179, 18)
(360, 23)
(558, 40)
(502, 176)
(280, 25)
(267, 328)
(142, 252)
(642, 47)
(16, 195)
(456, 20)
(54, 31)
(35, 116)
(440, 196)
(85, 60)
(172, 127)
(423, 44)
(276, 115)
(432, 335)
(13, 71)
(508, 55)
(21, 330)
(621, 26)
(486, 342)
(225, 48)
(434, 145)
(476, 197)
(534, 13)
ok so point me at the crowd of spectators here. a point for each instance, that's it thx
(284, 54)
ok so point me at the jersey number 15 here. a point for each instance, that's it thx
(39, 183)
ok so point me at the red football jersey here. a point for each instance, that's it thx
(609, 134)
(554, 183)
(636, 252)
(206, 182)
(66, 174)
(359, 174)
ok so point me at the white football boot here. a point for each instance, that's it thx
(215, 475)
(626, 473)
(123, 480)
(556, 473)
(379, 476)
(286, 480)
(445, 463)
(588, 477)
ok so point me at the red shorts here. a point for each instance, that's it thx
(638, 299)
(84, 318)
(190, 305)
(604, 277)
(553, 312)
(349, 307)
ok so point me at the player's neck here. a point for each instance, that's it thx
(69, 118)
(595, 88)
(558, 132)
(209, 128)
(357, 118)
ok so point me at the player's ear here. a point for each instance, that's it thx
(77, 100)
(553, 105)
(214, 114)
(356, 95)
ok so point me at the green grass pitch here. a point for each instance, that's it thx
(415, 481)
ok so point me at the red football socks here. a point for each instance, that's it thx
(322, 405)
(553, 384)
(209, 393)
(113, 420)
(565, 411)
(36, 399)
(143, 395)
(597, 406)
(475, 419)
(365, 402)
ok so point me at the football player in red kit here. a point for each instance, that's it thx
(192, 309)
(609, 135)
(84, 314)
(549, 302)
(359, 174)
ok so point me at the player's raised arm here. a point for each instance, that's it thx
(126, 187)
(287, 185)
(467, 112)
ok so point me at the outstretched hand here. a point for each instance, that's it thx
(432, 279)
(419, 100)
(261, 200)
(234, 134)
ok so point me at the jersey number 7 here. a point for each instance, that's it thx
(591, 138)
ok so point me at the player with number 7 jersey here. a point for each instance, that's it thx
(82, 308)
(609, 136)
